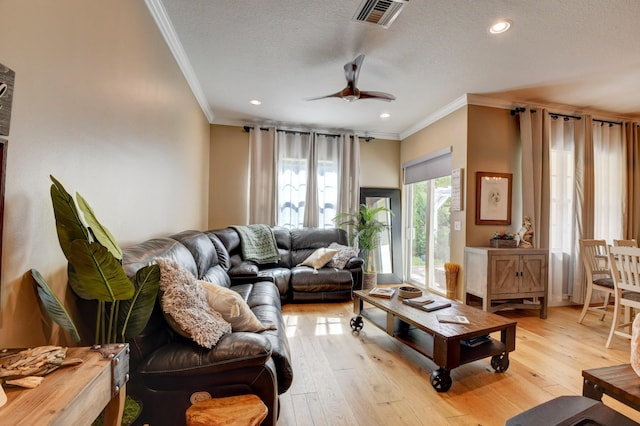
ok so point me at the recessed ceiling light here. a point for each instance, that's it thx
(500, 26)
(255, 102)
(385, 115)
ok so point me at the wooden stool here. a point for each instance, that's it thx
(241, 410)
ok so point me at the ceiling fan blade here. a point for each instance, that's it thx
(333, 95)
(352, 70)
(377, 95)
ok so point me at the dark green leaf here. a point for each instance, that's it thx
(99, 273)
(102, 234)
(75, 285)
(135, 312)
(54, 307)
(68, 223)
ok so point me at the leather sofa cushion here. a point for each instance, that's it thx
(279, 276)
(201, 248)
(244, 269)
(185, 358)
(306, 240)
(327, 279)
(224, 258)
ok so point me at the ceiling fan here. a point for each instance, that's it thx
(351, 92)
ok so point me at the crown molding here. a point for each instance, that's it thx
(432, 118)
(159, 14)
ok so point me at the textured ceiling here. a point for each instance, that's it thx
(581, 53)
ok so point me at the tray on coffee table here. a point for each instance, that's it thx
(443, 343)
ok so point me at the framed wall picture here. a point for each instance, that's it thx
(493, 198)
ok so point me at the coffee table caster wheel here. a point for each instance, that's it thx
(441, 380)
(500, 363)
(356, 324)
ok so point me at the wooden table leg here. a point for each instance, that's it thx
(592, 390)
(115, 408)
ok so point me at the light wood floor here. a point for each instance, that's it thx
(371, 379)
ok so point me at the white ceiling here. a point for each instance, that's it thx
(581, 53)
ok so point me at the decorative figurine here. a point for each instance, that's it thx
(526, 233)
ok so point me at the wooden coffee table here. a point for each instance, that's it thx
(440, 342)
(619, 382)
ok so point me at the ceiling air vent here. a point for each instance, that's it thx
(379, 12)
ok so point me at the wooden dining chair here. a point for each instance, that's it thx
(625, 271)
(594, 255)
(625, 243)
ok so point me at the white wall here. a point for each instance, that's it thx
(100, 103)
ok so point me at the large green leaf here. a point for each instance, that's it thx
(68, 223)
(101, 232)
(135, 312)
(75, 284)
(99, 273)
(54, 307)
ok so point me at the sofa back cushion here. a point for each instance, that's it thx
(306, 240)
(231, 241)
(201, 248)
(283, 241)
(156, 333)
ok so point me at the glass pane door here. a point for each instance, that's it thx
(428, 207)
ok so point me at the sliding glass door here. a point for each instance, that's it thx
(428, 213)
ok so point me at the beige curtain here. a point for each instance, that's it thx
(535, 165)
(262, 176)
(349, 174)
(631, 214)
(584, 214)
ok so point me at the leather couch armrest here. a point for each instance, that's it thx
(354, 262)
(234, 351)
(244, 269)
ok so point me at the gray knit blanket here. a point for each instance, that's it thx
(258, 243)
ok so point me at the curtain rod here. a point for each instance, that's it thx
(551, 114)
(610, 123)
(293, 132)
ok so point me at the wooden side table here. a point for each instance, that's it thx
(620, 382)
(74, 395)
(241, 410)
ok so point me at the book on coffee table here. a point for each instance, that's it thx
(386, 292)
(476, 341)
(418, 302)
(453, 319)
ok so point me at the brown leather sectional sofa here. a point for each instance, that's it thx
(168, 371)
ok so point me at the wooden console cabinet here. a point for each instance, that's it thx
(506, 278)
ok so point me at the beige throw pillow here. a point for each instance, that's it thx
(319, 258)
(184, 303)
(233, 308)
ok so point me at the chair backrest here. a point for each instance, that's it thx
(625, 267)
(594, 255)
(625, 243)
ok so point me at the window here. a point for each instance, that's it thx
(307, 175)
(561, 208)
(608, 173)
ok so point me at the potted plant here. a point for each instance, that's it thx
(95, 273)
(364, 230)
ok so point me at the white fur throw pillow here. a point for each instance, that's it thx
(185, 305)
(233, 308)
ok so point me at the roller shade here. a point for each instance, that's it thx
(430, 166)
